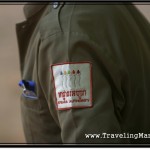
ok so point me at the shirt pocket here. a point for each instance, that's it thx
(30, 115)
(30, 103)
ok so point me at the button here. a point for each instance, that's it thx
(55, 5)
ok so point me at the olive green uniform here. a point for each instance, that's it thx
(115, 40)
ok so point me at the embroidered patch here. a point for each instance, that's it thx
(73, 85)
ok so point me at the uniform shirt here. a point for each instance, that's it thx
(107, 47)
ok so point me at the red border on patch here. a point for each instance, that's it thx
(91, 87)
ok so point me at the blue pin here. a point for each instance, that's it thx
(27, 85)
(28, 89)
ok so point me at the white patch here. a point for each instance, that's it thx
(73, 85)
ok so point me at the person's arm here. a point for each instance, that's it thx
(76, 45)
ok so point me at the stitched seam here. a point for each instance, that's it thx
(69, 29)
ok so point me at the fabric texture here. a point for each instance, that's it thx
(115, 40)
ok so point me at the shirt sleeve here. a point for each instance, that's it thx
(76, 46)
